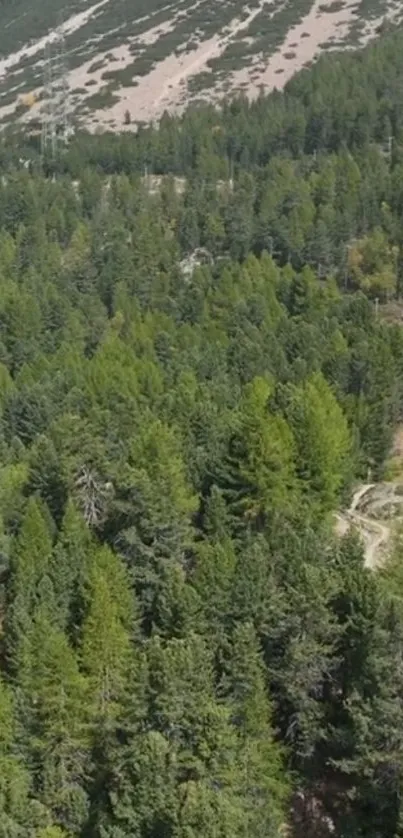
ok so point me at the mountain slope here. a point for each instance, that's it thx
(128, 62)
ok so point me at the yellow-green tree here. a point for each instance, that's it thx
(372, 264)
(323, 441)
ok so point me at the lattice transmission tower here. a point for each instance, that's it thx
(56, 126)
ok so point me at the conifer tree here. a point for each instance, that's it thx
(54, 697)
(14, 777)
(71, 559)
(153, 509)
(259, 480)
(181, 776)
(106, 647)
(30, 580)
(323, 441)
(264, 784)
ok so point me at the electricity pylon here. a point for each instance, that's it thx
(56, 127)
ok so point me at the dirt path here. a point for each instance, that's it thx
(375, 534)
(378, 538)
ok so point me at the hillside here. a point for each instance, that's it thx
(196, 378)
(129, 61)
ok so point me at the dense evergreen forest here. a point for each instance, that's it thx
(187, 651)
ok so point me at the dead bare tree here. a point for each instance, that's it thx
(93, 495)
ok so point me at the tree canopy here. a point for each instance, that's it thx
(192, 378)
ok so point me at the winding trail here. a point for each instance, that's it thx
(375, 534)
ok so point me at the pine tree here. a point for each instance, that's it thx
(30, 566)
(213, 579)
(264, 785)
(111, 665)
(152, 511)
(364, 743)
(32, 551)
(106, 641)
(14, 777)
(70, 564)
(53, 699)
(258, 478)
(323, 441)
(179, 775)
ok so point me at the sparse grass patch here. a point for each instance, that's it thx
(101, 100)
(336, 6)
(202, 81)
(97, 65)
(20, 109)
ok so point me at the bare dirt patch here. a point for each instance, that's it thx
(375, 511)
